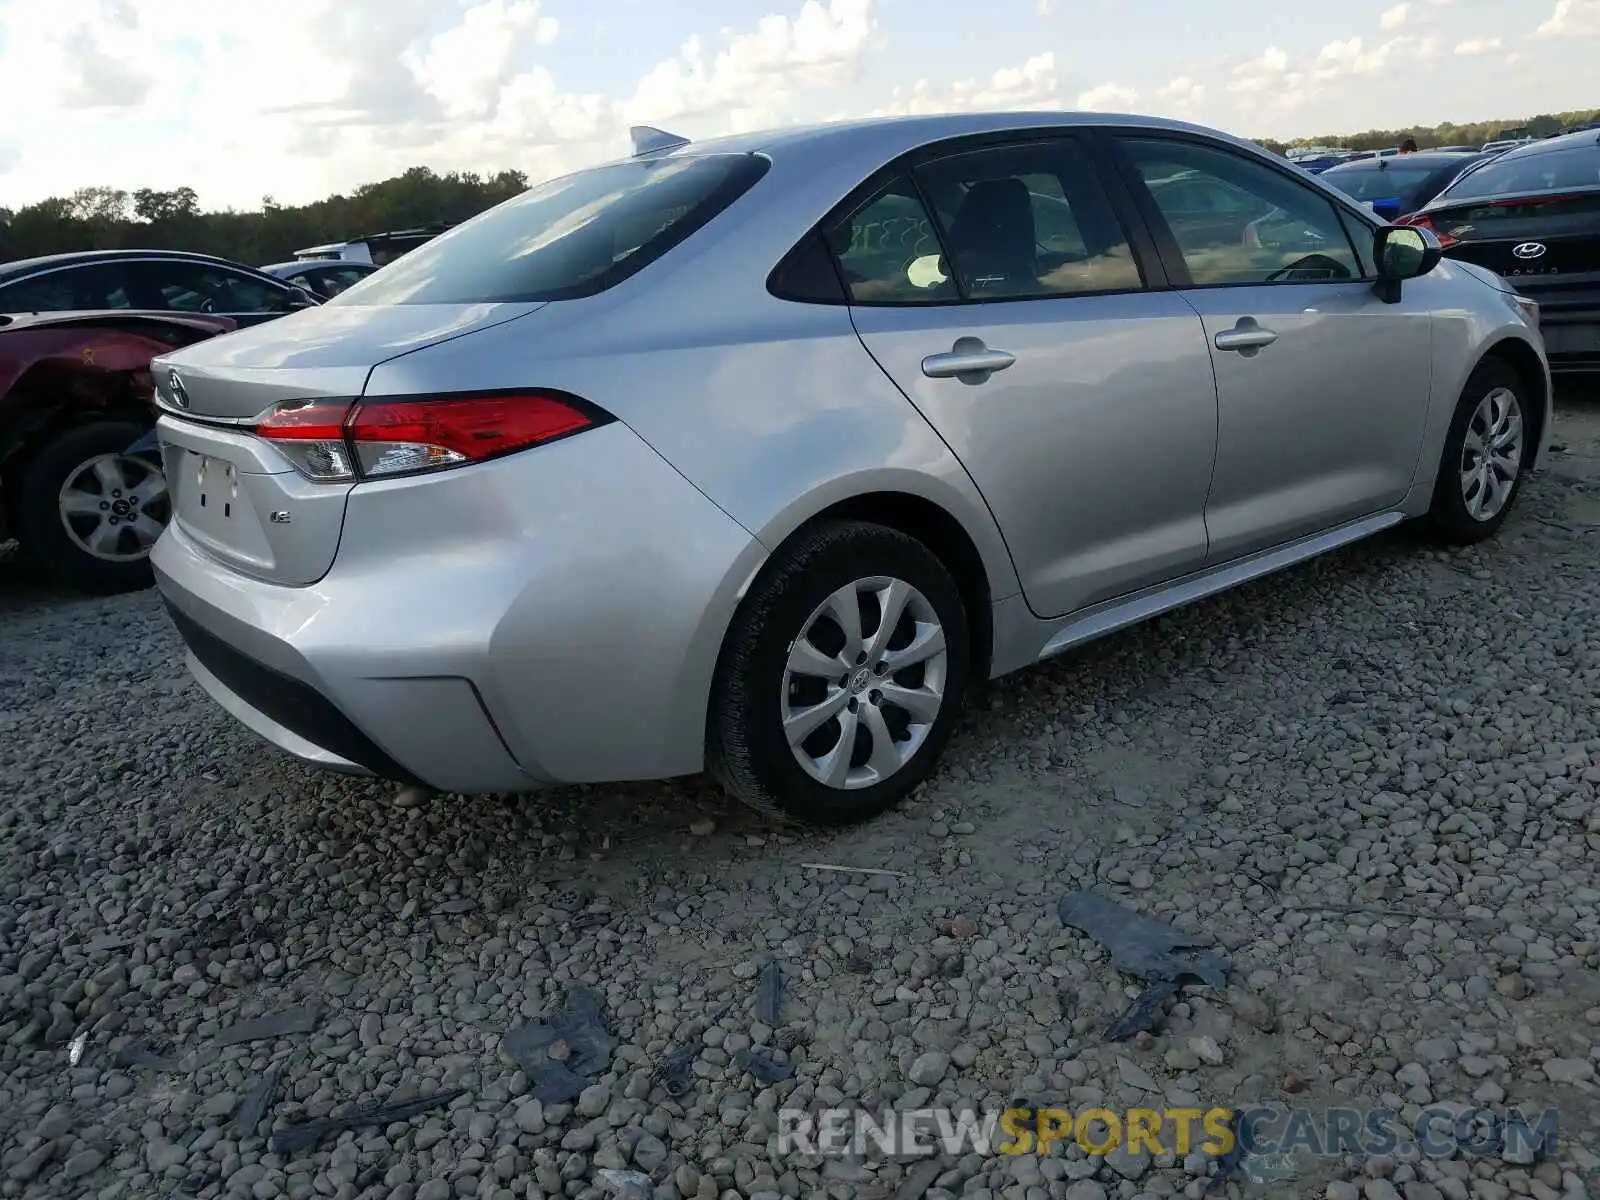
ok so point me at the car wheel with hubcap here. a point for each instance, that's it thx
(842, 676)
(89, 511)
(1486, 452)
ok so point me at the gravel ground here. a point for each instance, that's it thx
(1372, 781)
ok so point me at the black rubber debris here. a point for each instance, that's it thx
(1148, 949)
(676, 1070)
(137, 1054)
(582, 1042)
(302, 1019)
(256, 1104)
(765, 1069)
(1228, 1165)
(1144, 1012)
(292, 1139)
(769, 995)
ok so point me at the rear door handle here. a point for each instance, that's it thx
(1247, 337)
(969, 360)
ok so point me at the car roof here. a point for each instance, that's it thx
(298, 265)
(1424, 158)
(26, 266)
(894, 136)
(1583, 140)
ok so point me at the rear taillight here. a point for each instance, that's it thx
(335, 441)
(310, 434)
(1423, 221)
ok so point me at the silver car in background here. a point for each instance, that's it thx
(752, 455)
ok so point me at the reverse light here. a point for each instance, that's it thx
(334, 441)
(310, 434)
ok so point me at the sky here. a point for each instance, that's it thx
(297, 99)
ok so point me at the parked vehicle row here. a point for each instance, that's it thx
(1395, 186)
(75, 394)
(1532, 215)
(792, 435)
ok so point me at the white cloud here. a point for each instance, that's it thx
(1182, 94)
(1106, 97)
(750, 78)
(1259, 74)
(301, 98)
(1573, 18)
(465, 67)
(1029, 87)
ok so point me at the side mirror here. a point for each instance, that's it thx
(300, 298)
(1403, 252)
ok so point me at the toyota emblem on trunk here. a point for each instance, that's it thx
(180, 394)
(1528, 250)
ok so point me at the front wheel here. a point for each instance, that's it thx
(1486, 452)
(89, 512)
(842, 677)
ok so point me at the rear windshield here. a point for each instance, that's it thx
(572, 236)
(1551, 171)
(1402, 183)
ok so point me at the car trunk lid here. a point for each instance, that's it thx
(1541, 243)
(235, 495)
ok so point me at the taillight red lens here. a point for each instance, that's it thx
(1423, 221)
(394, 437)
(310, 434)
(376, 439)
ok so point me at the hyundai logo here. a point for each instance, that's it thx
(180, 394)
(1529, 250)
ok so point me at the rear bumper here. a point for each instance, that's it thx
(1571, 338)
(552, 617)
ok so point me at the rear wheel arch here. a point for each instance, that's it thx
(944, 535)
(929, 523)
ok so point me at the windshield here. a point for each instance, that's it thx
(1550, 171)
(572, 236)
(1402, 183)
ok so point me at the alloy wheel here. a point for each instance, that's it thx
(864, 683)
(1491, 454)
(114, 507)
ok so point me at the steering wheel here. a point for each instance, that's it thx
(1329, 268)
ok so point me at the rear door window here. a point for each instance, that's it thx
(888, 252)
(573, 236)
(202, 288)
(1518, 174)
(69, 289)
(1028, 220)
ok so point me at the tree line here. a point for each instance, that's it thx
(1475, 134)
(108, 218)
(103, 218)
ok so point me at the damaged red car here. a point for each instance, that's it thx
(77, 491)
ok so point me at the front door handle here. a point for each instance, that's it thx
(1247, 337)
(969, 360)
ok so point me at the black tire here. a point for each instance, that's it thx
(1449, 521)
(43, 536)
(747, 750)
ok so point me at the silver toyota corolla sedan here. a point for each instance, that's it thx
(754, 455)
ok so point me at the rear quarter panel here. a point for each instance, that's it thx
(772, 408)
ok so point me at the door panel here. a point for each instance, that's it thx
(998, 289)
(1322, 388)
(1093, 450)
(1323, 425)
